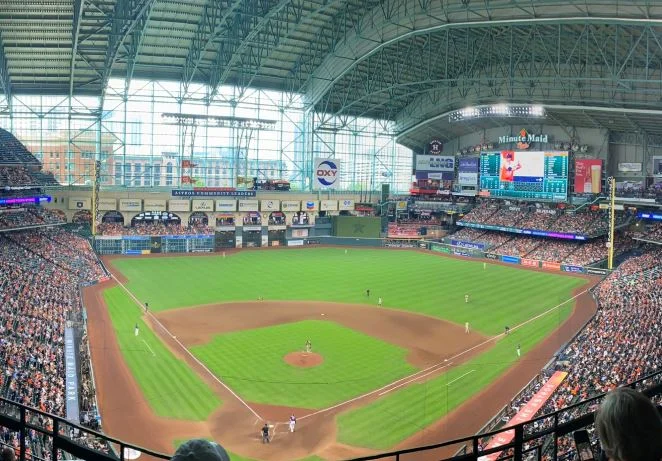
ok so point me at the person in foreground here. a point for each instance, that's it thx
(200, 450)
(629, 427)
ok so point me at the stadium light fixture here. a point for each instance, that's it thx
(497, 110)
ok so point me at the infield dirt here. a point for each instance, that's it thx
(127, 415)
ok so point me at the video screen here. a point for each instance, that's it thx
(524, 175)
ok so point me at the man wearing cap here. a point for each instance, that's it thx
(265, 433)
(200, 450)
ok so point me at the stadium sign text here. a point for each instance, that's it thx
(524, 139)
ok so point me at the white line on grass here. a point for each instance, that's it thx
(460, 377)
(186, 351)
(413, 379)
(440, 365)
(150, 349)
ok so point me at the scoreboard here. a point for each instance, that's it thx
(524, 175)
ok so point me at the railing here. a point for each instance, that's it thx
(61, 439)
(528, 439)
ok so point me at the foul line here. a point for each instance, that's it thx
(460, 377)
(438, 366)
(150, 349)
(186, 351)
(446, 364)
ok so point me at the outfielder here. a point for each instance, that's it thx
(293, 423)
(466, 298)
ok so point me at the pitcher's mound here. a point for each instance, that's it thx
(303, 359)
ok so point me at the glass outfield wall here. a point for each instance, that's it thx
(140, 147)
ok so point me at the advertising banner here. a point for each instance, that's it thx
(238, 241)
(270, 205)
(329, 205)
(154, 205)
(530, 263)
(179, 205)
(596, 271)
(468, 171)
(568, 268)
(155, 245)
(211, 192)
(309, 205)
(525, 413)
(131, 204)
(290, 205)
(346, 205)
(491, 256)
(588, 176)
(295, 243)
(657, 166)
(326, 173)
(510, 259)
(107, 204)
(629, 167)
(226, 205)
(460, 243)
(300, 233)
(248, 205)
(71, 376)
(80, 203)
(551, 266)
(440, 248)
(265, 240)
(435, 163)
(462, 253)
(203, 205)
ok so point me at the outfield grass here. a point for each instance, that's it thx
(391, 419)
(412, 281)
(251, 362)
(172, 389)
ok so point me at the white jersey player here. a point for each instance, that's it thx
(293, 423)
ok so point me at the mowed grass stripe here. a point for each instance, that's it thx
(251, 362)
(401, 414)
(413, 281)
(171, 388)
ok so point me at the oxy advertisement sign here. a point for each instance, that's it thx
(326, 173)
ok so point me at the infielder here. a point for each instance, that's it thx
(379, 301)
(466, 327)
(136, 331)
(309, 346)
(293, 423)
(519, 351)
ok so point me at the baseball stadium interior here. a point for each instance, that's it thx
(166, 163)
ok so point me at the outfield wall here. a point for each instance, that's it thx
(474, 252)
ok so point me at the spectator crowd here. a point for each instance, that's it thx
(153, 228)
(621, 344)
(40, 272)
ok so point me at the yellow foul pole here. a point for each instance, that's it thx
(612, 220)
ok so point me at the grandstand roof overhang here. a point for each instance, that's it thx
(409, 61)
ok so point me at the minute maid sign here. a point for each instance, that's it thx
(524, 139)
